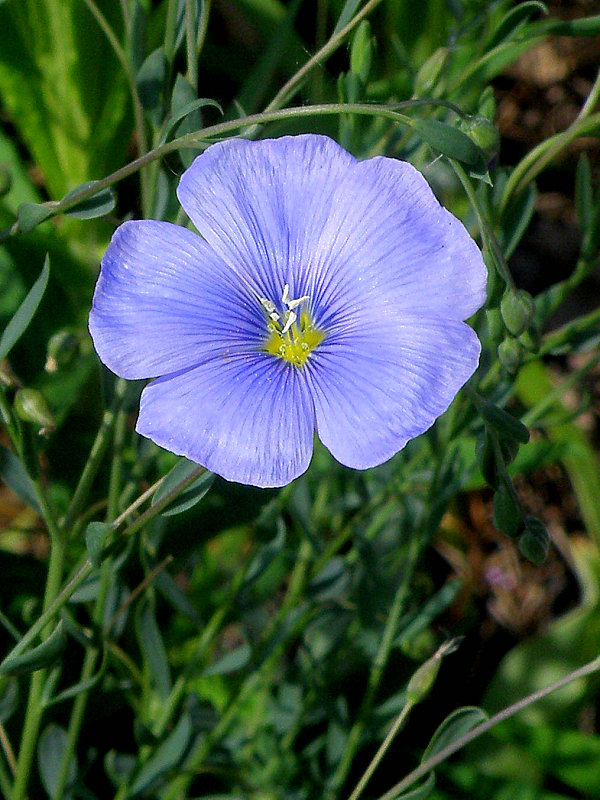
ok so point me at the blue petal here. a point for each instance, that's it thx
(301, 210)
(375, 391)
(263, 205)
(164, 302)
(249, 419)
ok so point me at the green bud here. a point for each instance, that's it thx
(510, 354)
(486, 457)
(483, 133)
(423, 679)
(5, 180)
(361, 51)
(494, 324)
(535, 541)
(63, 348)
(508, 514)
(517, 310)
(487, 104)
(429, 73)
(31, 406)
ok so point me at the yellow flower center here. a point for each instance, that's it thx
(290, 338)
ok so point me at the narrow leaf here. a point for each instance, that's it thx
(153, 649)
(187, 109)
(96, 537)
(421, 792)
(453, 728)
(170, 753)
(95, 206)
(506, 425)
(30, 215)
(348, 11)
(514, 19)
(192, 495)
(24, 314)
(449, 141)
(51, 749)
(43, 655)
(15, 476)
(230, 662)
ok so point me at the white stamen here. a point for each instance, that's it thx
(291, 318)
(286, 294)
(268, 305)
(295, 303)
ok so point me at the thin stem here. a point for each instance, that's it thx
(139, 502)
(431, 763)
(114, 485)
(376, 674)
(95, 458)
(289, 89)
(399, 722)
(7, 748)
(138, 111)
(538, 158)
(202, 139)
(486, 229)
(34, 711)
(190, 43)
(205, 6)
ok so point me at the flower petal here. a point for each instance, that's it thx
(164, 302)
(262, 205)
(249, 419)
(376, 391)
(301, 210)
(393, 245)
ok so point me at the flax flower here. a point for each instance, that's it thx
(323, 294)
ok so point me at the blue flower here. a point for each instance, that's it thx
(323, 294)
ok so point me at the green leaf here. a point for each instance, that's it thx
(97, 535)
(9, 697)
(95, 206)
(503, 422)
(24, 314)
(167, 756)
(150, 82)
(15, 476)
(231, 662)
(346, 14)
(51, 749)
(188, 498)
(30, 215)
(456, 724)
(153, 649)
(48, 652)
(421, 792)
(449, 141)
(63, 88)
(514, 19)
(517, 218)
(187, 109)
(508, 515)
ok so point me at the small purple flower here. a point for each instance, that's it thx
(323, 293)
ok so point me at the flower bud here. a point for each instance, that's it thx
(517, 310)
(487, 104)
(63, 347)
(483, 133)
(510, 353)
(535, 541)
(423, 679)
(31, 406)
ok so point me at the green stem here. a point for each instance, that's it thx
(202, 140)
(399, 722)
(538, 158)
(138, 111)
(376, 674)
(486, 229)
(431, 763)
(190, 43)
(318, 59)
(95, 458)
(35, 707)
(114, 485)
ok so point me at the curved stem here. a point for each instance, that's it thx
(479, 730)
